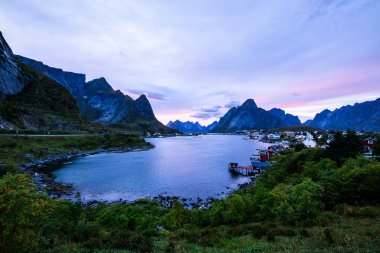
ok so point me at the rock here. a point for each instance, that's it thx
(11, 81)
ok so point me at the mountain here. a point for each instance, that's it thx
(288, 119)
(191, 127)
(31, 100)
(210, 128)
(247, 116)
(360, 116)
(99, 102)
(73, 82)
(10, 74)
(187, 127)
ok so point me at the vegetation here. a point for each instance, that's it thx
(376, 146)
(42, 103)
(308, 201)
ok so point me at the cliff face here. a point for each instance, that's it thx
(31, 100)
(360, 116)
(73, 82)
(99, 102)
(10, 75)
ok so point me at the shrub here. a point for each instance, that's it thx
(294, 203)
(360, 179)
(24, 215)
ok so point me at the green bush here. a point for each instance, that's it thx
(24, 215)
(360, 181)
(298, 202)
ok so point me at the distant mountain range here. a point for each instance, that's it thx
(94, 101)
(191, 127)
(244, 117)
(360, 116)
(35, 96)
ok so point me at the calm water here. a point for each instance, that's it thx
(188, 167)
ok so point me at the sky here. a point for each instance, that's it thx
(196, 59)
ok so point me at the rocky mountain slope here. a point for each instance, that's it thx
(11, 80)
(36, 96)
(360, 116)
(42, 104)
(99, 102)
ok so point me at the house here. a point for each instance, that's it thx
(289, 134)
(274, 136)
(368, 145)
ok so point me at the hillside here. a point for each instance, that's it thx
(360, 116)
(32, 101)
(42, 105)
(99, 102)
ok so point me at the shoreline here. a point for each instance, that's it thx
(41, 169)
(41, 172)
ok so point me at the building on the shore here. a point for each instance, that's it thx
(368, 144)
(274, 136)
(289, 134)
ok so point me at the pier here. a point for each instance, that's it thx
(248, 170)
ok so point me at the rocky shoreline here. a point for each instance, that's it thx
(41, 172)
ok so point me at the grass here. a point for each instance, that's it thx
(21, 149)
(342, 233)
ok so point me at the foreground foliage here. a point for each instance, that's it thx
(306, 202)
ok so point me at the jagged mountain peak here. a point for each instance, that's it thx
(143, 97)
(187, 127)
(98, 85)
(249, 104)
(250, 116)
(278, 111)
(287, 118)
(144, 107)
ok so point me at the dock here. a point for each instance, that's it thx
(248, 170)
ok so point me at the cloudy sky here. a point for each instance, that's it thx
(195, 59)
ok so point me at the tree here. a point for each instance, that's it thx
(376, 147)
(344, 147)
